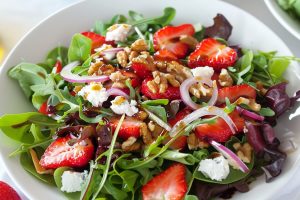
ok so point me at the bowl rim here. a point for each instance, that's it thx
(27, 193)
(271, 6)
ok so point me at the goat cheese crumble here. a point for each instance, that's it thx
(204, 72)
(120, 105)
(215, 169)
(118, 32)
(73, 181)
(94, 93)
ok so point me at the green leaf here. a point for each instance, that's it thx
(115, 192)
(27, 164)
(100, 28)
(266, 112)
(165, 19)
(80, 48)
(131, 89)
(277, 67)
(191, 197)
(134, 16)
(46, 88)
(57, 178)
(28, 74)
(156, 102)
(159, 111)
(59, 53)
(175, 155)
(82, 116)
(38, 100)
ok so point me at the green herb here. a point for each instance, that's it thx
(27, 75)
(59, 53)
(80, 48)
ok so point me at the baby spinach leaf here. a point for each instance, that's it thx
(27, 75)
(165, 19)
(80, 48)
(27, 164)
(59, 53)
(277, 67)
(57, 178)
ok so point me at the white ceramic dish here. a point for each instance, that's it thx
(289, 23)
(59, 28)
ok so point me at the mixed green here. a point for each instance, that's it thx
(137, 108)
(292, 7)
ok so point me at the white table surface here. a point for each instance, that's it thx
(19, 16)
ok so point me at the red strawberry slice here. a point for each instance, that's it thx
(168, 38)
(60, 154)
(44, 108)
(219, 131)
(212, 53)
(236, 91)
(97, 40)
(170, 184)
(141, 69)
(130, 127)
(7, 192)
(171, 93)
(165, 55)
(135, 80)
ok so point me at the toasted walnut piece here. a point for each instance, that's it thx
(243, 151)
(171, 79)
(132, 55)
(189, 40)
(145, 58)
(139, 45)
(77, 88)
(122, 58)
(117, 76)
(151, 126)
(195, 90)
(152, 86)
(260, 87)
(193, 141)
(141, 115)
(119, 85)
(179, 69)
(146, 135)
(225, 79)
(131, 144)
(251, 103)
(93, 69)
(161, 64)
(106, 70)
(127, 50)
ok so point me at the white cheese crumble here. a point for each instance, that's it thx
(108, 55)
(73, 181)
(118, 32)
(204, 72)
(215, 169)
(120, 105)
(94, 93)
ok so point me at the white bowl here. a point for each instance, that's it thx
(59, 28)
(291, 24)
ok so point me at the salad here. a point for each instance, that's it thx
(139, 108)
(292, 7)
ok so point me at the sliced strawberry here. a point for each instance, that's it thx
(141, 69)
(179, 143)
(168, 38)
(7, 192)
(165, 55)
(130, 127)
(171, 93)
(58, 67)
(44, 108)
(236, 91)
(60, 154)
(220, 131)
(97, 40)
(212, 53)
(170, 184)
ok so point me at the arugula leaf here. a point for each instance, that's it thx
(134, 16)
(27, 75)
(184, 158)
(100, 28)
(80, 48)
(59, 53)
(38, 100)
(27, 164)
(165, 19)
(17, 126)
(156, 102)
(159, 111)
(131, 89)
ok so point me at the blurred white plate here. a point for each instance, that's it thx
(289, 23)
(59, 28)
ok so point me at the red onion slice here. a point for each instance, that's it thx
(67, 75)
(197, 114)
(185, 95)
(249, 114)
(227, 153)
(117, 92)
